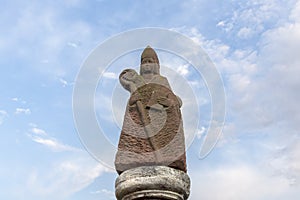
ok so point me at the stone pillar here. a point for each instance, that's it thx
(152, 183)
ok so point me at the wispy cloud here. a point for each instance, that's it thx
(183, 70)
(65, 83)
(25, 111)
(105, 104)
(43, 27)
(233, 182)
(53, 144)
(285, 161)
(40, 136)
(261, 100)
(200, 132)
(3, 115)
(110, 75)
(64, 178)
(38, 131)
(19, 100)
(108, 193)
(73, 44)
(245, 33)
(254, 17)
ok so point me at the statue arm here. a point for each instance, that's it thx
(166, 84)
(179, 101)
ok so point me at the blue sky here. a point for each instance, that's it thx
(254, 44)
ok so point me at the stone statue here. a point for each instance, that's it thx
(152, 132)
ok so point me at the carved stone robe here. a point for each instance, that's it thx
(152, 132)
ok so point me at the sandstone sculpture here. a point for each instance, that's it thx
(152, 132)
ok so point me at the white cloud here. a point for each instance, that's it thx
(3, 115)
(25, 111)
(40, 136)
(279, 52)
(40, 29)
(200, 132)
(104, 109)
(252, 17)
(194, 83)
(261, 84)
(38, 131)
(72, 44)
(64, 178)
(245, 33)
(216, 50)
(110, 75)
(235, 182)
(108, 193)
(17, 99)
(239, 82)
(285, 160)
(262, 99)
(63, 82)
(295, 13)
(183, 70)
(53, 144)
(221, 24)
(33, 125)
(60, 178)
(228, 136)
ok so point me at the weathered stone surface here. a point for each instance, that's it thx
(152, 132)
(153, 182)
(159, 139)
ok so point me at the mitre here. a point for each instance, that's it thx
(149, 53)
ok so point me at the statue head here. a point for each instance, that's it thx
(131, 80)
(127, 77)
(149, 62)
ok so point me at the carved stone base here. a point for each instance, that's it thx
(153, 182)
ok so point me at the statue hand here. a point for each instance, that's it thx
(133, 99)
(165, 101)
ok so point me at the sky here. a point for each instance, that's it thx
(254, 45)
